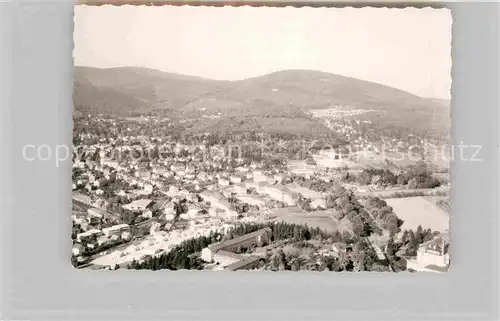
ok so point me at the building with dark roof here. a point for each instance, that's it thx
(248, 263)
(257, 238)
(225, 258)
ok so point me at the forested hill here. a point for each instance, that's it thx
(275, 102)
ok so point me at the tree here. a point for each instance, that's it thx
(376, 179)
(405, 237)
(413, 183)
(412, 244)
(428, 235)
(390, 247)
(74, 261)
(358, 226)
(282, 260)
(310, 161)
(370, 259)
(419, 235)
(363, 178)
(358, 260)
(76, 229)
(275, 261)
(401, 180)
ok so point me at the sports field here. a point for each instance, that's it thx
(295, 215)
(417, 211)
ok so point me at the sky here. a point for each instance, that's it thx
(409, 49)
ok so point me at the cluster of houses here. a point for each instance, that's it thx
(169, 177)
(207, 187)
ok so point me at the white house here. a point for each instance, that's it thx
(223, 182)
(432, 256)
(235, 179)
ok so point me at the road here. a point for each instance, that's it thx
(374, 247)
(380, 253)
(86, 206)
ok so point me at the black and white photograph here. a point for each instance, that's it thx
(260, 138)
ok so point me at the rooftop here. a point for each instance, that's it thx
(98, 211)
(220, 246)
(141, 203)
(280, 188)
(115, 227)
(436, 244)
(212, 194)
(437, 268)
(238, 265)
(231, 255)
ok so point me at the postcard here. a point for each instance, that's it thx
(261, 138)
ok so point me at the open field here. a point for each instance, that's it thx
(417, 211)
(329, 162)
(437, 199)
(295, 215)
(401, 159)
(386, 159)
(338, 112)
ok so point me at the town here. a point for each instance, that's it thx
(147, 197)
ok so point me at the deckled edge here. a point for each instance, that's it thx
(273, 3)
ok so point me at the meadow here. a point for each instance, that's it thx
(417, 211)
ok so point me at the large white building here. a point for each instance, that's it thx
(258, 238)
(259, 176)
(279, 193)
(235, 179)
(88, 234)
(432, 256)
(225, 258)
(115, 229)
(95, 215)
(217, 200)
(223, 182)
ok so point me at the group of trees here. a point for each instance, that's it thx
(182, 256)
(185, 256)
(180, 207)
(361, 258)
(346, 205)
(408, 244)
(382, 177)
(285, 231)
(291, 261)
(411, 240)
(383, 214)
(75, 230)
(240, 207)
(304, 203)
(315, 184)
(415, 176)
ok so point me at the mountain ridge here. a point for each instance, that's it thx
(286, 94)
